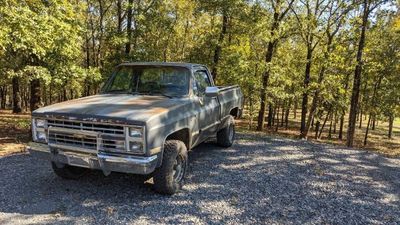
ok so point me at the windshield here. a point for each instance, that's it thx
(149, 80)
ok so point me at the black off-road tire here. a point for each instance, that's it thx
(166, 178)
(226, 136)
(68, 172)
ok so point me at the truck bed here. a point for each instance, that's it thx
(230, 97)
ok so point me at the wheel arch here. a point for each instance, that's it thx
(235, 112)
(180, 135)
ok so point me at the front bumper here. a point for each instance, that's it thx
(101, 161)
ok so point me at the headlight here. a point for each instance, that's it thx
(38, 130)
(41, 136)
(135, 132)
(136, 147)
(40, 123)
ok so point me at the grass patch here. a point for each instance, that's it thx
(14, 132)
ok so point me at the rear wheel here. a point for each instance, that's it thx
(169, 178)
(226, 136)
(68, 172)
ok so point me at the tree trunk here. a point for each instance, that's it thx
(323, 125)
(65, 98)
(24, 99)
(390, 132)
(295, 109)
(273, 115)
(119, 16)
(129, 28)
(277, 118)
(373, 122)
(87, 49)
(263, 92)
(287, 115)
(218, 48)
(251, 107)
(283, 115)
(268, 59)
(317, 124)
(3, 97)
(367, 130)
(270, 115)
(357, 78)
(312, 123)
(330, 127)
(43, 95)
(50, 94)
(35, 94)
(16, 96)
(335, 123)
(306, 82)
(341, 126)
(321, 75)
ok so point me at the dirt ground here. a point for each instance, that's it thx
(259, 180)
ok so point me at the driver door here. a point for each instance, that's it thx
(209, 107)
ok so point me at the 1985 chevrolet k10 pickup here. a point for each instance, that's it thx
(146, 118)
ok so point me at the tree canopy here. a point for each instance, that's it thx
(327, 58)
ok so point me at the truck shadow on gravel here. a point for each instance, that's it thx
(258, 180)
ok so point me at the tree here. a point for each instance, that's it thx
(368, 6)
(39, 33)
(309, 22)
(335, 14)
(280, 9)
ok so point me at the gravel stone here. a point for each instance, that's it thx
(259, 180)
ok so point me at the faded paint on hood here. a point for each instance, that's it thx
(120, 107)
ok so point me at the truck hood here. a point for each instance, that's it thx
(116, 107)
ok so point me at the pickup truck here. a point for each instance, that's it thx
(145, 119)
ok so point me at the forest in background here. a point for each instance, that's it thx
(322, 61)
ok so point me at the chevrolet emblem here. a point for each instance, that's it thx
(78, 135)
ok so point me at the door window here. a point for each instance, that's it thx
(201, 82)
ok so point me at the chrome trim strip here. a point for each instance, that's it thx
(195, 133)
(86, 121)
(72, 148)
(73, 131)
(135, 160)
(102, 161)
(211, 125)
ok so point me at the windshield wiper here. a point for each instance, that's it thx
(116, 91)
(165, 95)
(152, 94)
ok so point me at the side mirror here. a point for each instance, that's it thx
(212, 92)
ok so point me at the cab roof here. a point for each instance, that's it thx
(176, 64)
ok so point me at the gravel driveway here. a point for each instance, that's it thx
(258, 180)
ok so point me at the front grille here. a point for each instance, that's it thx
(112, 136)
(113, 145)
(68, 139)
(103, 128)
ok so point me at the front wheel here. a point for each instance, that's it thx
(169, 178)
(226, 136)
(68, 172)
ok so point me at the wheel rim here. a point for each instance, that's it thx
(179, 168)
(231, 133)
